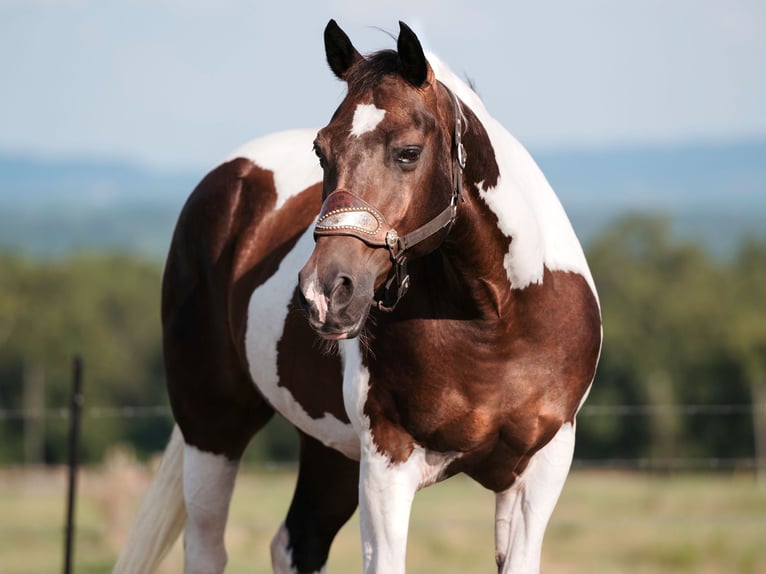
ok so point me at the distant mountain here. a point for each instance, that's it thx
(52, 207)
(670, 177)
(715, 193)
(27, 182)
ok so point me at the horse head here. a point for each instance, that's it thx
(392, 160)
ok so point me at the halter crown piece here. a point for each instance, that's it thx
(344, 213)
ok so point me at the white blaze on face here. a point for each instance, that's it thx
(366, 118)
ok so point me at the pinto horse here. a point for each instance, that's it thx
(463, 323)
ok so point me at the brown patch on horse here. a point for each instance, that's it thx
(310, 375)
(481, 166)
(494, 389)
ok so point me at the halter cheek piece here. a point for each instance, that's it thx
(344, 213)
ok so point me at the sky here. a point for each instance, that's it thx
(177, 84)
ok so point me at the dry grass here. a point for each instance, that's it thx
(605, 522)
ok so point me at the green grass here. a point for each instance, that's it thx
(605, 522)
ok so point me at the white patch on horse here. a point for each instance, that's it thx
(267, 311)
(386, 490)
(315, 296)
(366, 118)
(288, 156)
(526, 206)
(281, 557)
(522, 512)
(208, 484)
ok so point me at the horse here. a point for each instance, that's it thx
(413, 300)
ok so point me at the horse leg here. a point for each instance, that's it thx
(209, 473)
(522, 512)
(208, 485)
(385, 501)
(326, 495)
(386, 492)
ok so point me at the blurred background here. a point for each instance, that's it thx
(648, 118)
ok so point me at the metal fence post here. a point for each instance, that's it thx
(75, 411)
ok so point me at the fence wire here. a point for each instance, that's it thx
(624, 410)
(617, 410)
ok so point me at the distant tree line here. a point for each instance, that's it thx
(681, 327)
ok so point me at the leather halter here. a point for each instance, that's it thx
(345, 213)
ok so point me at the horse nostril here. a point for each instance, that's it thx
(342, 291)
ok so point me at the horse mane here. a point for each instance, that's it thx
(369, 72)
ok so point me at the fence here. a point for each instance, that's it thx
(33, 417)
(616, 410)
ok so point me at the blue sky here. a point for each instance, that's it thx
(178, 84)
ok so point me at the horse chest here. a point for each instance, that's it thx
(485, 419)
(433, 391)
(478, 388)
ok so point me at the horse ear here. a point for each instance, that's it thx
(341, 54)
(411, 56)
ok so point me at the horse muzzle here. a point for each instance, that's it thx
(335, 293)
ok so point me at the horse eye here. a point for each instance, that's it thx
(320, 155)
(408, 155)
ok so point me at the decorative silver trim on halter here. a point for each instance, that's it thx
(357, 219)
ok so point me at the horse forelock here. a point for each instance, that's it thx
(367, 73)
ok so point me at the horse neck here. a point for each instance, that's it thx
(472, 260)
(476, 250)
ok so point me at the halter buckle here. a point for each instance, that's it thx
(461, 155)
(392, 239)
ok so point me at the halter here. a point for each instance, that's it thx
(345, 213)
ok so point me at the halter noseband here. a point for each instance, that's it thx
(344, 213)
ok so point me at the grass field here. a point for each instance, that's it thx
(605, 522)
